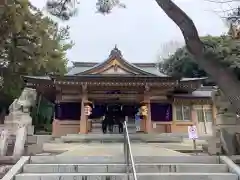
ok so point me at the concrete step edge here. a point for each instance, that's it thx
(139, 174)
(119, 159)
(136, 164)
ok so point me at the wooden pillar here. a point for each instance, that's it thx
(84, 117)
(148, 120)
(194, 115)
(174, 117)
(143, 122)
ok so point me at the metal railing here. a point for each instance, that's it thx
(130, 164)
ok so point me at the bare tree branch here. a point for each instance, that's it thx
(196, 48)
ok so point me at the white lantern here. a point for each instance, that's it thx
(87, 110)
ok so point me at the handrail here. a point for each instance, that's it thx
(128, 153)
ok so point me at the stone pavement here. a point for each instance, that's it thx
(116, 149)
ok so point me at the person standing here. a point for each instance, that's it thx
(138, 121)
(120, 125)
(104, 125)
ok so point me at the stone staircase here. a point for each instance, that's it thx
(135, 137)
(113, 168)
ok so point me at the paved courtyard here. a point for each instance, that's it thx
(111, 149)
(186, 145)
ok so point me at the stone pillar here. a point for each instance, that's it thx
(225, 126)
(21, 137)
(84, 117)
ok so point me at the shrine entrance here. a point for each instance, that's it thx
(114, 112)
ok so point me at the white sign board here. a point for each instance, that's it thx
(154, 125)
(192, 132)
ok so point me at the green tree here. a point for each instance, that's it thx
(30, 44)
(221, 49)
(181, 64)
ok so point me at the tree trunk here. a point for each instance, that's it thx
(224, 77)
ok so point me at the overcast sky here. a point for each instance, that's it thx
(140, 31)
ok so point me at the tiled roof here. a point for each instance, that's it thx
(77, 70)
(204, 92)
(80, 67)
(149, 69)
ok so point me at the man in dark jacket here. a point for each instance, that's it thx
(104, 125)
(120, 125)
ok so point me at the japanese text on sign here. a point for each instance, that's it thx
(192, 132)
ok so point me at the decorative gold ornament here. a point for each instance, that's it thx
(144, 110)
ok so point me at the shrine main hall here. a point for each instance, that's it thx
(172, 104)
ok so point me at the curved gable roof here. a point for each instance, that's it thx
(115, 59)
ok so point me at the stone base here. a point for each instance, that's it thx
(19, 118)
(12, 128)
(64, 127)
(33, 149)
(38, 139)
(223, 139)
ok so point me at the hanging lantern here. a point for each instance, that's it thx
(88, 110)
(144, 110)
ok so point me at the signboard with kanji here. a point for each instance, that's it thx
(192, 132)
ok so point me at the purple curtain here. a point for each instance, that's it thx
(129, 110)
(98, 111)
(68, 110)
(101, 109)
(161, 112)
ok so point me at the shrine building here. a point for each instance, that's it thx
(172, 104)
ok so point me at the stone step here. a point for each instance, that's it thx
(121, 168)
(122, 176)
(119, 138)
(120, 159)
